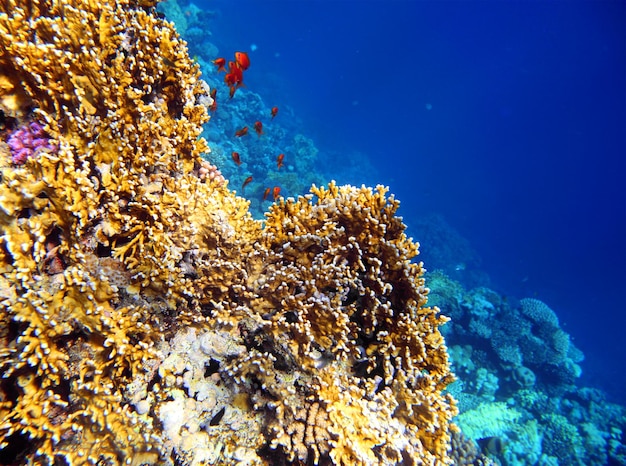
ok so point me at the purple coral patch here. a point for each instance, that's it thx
(27, 140)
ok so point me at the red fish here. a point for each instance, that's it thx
(241, 132)
(276, 192)
(235, 74)
(243, 61)
(236, 158)
(274, 111)
(279, 161)
(234, 77)
(258, 127)
(246, 182)
(220, 63)
(266, 193)
(213, 106)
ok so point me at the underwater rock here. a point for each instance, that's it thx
(524, 377)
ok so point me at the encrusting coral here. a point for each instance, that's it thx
(147, 318)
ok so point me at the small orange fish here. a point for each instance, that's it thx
(231, 91)
(276, 192)
(279, 161)
(266, 193)
(243, 61)
(274, 111)
(220, 63)
(241, 132)
(236, 158)
(258, 127)
(246, 182)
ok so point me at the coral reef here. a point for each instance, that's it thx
(90, 246)
(527, 341)
(258, 153)
(340, 292)
(488, 420)
(522, 396)
(147, 318)
(562, 439)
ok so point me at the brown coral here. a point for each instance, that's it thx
(122, 247)
(465, 452)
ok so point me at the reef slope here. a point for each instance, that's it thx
(146, 317)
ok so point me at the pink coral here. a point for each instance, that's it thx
(211, 172)
(27, 140)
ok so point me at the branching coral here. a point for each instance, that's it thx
(342, 301)
(90, 231)
(122, 254)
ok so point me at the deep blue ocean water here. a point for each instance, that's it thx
(507, 119)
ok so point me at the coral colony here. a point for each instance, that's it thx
(148, 318)
(26, 141)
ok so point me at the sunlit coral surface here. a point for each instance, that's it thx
(147, 318)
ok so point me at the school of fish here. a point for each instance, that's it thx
(234, 80)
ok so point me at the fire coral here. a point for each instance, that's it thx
(147, 318)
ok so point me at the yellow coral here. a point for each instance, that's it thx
(123, 127)
(116, 250)
(341, 303)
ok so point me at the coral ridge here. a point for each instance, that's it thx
(147, 318)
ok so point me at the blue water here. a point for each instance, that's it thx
(506, 118)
